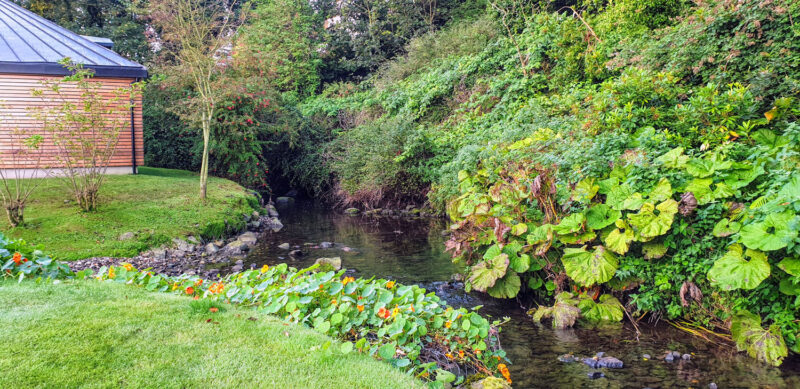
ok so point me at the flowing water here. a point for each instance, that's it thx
(412, 251)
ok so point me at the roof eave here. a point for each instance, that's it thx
(56, 69)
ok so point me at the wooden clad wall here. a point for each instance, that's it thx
(15, 100)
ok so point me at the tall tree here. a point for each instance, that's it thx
(198, 39)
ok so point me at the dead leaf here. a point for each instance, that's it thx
(251, 318)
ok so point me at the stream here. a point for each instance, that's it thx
(412, 251)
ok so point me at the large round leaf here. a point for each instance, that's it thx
(601, 216)
(734, 271)
(620, 238)
(506, 287)
(486, 273)
(652, 221)
(570, 224)
(774, 233)
(589, 268)
(607, 308)
(790, 265)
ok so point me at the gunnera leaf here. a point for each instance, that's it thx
(607, 308)
(674, 159)
(725, 228)
(485, 274)
(585, 190)
(620, 238)
(774, 233)
(791, 190)
(653, 221)
(766, 345)
(788, 287)
(570, 224)
(601, 216)
(790, 266)
(578, 237)
(506, 287)
(733, 271)
(661, 192)
(589, 268)
(654, 250)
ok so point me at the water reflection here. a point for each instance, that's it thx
(412, 251)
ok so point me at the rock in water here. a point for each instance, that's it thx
(712, 386)
(284, 200)
(325, 245)
(567, 358)
(296, 253)
(686, 357)
(284, 246)
(351, 211)
(596, 374)
(609, 362)
(334, 262)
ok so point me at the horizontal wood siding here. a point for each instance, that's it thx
(15, 114)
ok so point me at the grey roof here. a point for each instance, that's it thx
(105, 42)
(31, 44)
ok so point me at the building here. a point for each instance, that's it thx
(30, 50)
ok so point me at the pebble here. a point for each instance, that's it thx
(596, 374)
(712, 386)
(284, 246)
(646, 356)
(686, 357)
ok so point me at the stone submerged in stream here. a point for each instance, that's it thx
(601, 361)
(334, 262)
(284, 246)
(567, 358)
(595, 374)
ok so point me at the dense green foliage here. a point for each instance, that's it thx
(647, 150)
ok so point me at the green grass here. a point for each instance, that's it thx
(157, 205)
(97, 335)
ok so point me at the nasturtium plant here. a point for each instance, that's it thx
(589, 267)
(654, 220)
(607, 308)
(773, 233)
(739, 269)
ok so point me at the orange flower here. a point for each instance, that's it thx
(448, 323)
(127, 266)
(196, 298)
(360, 308)
(347, 280)
(461, 353)
(389, 284)
(384, 313)
(448, 355)
(334, 302)
(411, 308)
(190, 290)
(213, 309)
(216, 287)
(17, 258)
(477, 352)
(504, 371)
(111, 273)
(198, 282)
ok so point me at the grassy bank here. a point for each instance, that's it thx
(157, 205)
(92, 334)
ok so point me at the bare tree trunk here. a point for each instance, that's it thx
(204, 164)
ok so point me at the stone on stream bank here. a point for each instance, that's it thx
(192, 256)
(334, 262)
(284, 246)
(600, 360)
(352, 211)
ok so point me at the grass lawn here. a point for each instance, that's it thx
(97, 335)
(157, 205)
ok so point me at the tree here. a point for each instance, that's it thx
(198, 36)
(19, 183)
(84, 123)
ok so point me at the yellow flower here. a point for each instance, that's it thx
(395, 311)
(347, 280)
(264, 268)
(111, 273)
(389, 284)
(127, 266)
(448, 323)
(175, 286)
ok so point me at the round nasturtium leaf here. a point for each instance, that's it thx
(734, 271)
(589, 267)
(774, 233)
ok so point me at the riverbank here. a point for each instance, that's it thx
(137, 212)
(87, 333)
